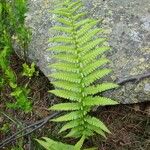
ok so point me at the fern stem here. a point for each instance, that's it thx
(74, 36)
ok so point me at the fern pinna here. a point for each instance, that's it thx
(77, 68)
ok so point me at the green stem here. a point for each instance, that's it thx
(80, 72)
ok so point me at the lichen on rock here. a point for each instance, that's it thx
(129, 23)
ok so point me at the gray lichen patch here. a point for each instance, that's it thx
(129, 23)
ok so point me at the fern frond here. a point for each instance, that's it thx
(74, 87)
(62, 29)
(98, 74)
(77, 8)
(78, 16)
(65, 106)
(70, 124)
(66, 49)
(66, 57)
(47, 144)
(82, 22)
(61, 13)
(91, 90)
(75, 132)
(62, 39)
(64, 21)
(67, 94)
(87, 37)
(94, 65)
(79, 144)
(93, 54)
(74, 4)
(50, 144)
(65, 67)
(96, 122)
(86, 28)
(70, 116)
(91, 45)
(97, 100)
(71, 77)
(88, 132)
(96, 129)
(76, 70)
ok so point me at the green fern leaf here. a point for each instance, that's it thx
(79, 144)
(75, 9)
(78, 16)
(95, 75)
(91, 101)
(65, 106)
(75, 132)
(91, 90)
(86, 28)
(47, 144)
(87, 132)
(62, 39)
(50, 144)
(62, 29)
(83, 22)
(70, 116)
(61, 13)
(74, 4)
(67, 94)
(96, 129)
(66, 49)
(67, 86)
(69, 125)
(91, 45)
(66, 57)
(94, 65)
(96, 122)
(87, 37)
(65, 67)
(71, 77)
(92, 55)
(65, 21)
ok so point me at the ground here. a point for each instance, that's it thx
(129, 124)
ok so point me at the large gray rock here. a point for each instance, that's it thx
(129, 22)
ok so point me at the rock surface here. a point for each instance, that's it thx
(129, 22)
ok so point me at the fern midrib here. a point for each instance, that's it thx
(74, 36)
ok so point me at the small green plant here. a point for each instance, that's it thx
(12, 15)
(28, 71)
(20, 93)
(5, 128)
(78, 66)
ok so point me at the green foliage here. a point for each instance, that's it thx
(22, 101)
(50, 144)
(5, 128)
(79, 65)
(12, 15)
(28, 71)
